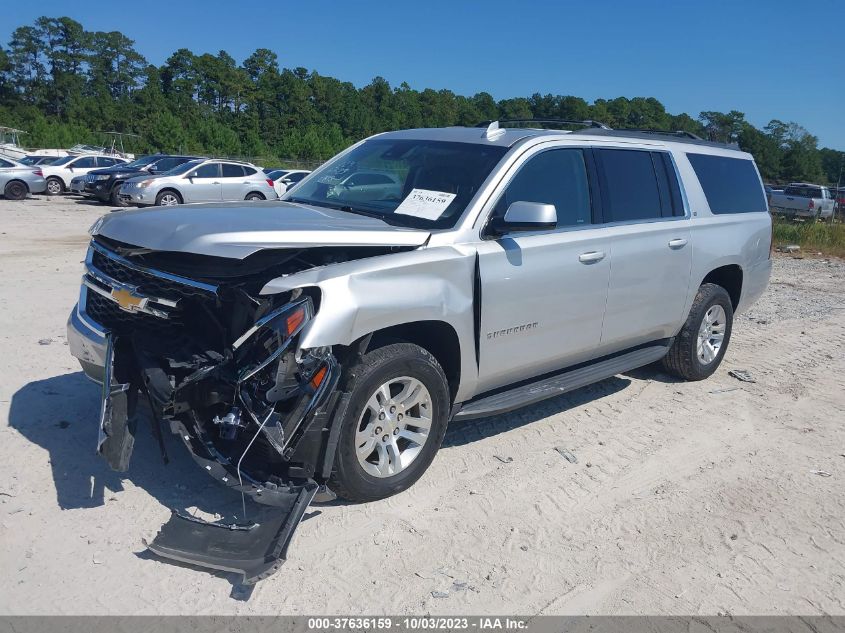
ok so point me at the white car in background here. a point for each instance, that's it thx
(60, 173)
(284, 179)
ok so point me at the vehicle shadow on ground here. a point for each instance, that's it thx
(465, 432)
(60, 414)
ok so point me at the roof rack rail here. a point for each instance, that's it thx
(678, 137)
(682, 133)
(585, 123)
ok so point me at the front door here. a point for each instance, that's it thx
(203, 184)
(543, 294)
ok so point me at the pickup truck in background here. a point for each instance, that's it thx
(803, 200)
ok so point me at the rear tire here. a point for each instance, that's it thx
(168, 198)
(55, 186)
(15, 190)
(391, 394)
(701, 344)
(252, 197)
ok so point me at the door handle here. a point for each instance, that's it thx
(592, 257)
(215, 183)
(678, 243)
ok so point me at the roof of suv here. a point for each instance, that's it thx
(507, 136)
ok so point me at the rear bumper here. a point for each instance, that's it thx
(38, 185)
(754, 283)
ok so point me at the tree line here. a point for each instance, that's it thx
(65, 85)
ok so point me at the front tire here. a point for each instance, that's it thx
(15, 190)
(701, 344)
(393, 422)
(168, 198)
(55, 186)
(114, 196)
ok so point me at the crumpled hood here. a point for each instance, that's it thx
(237, 230)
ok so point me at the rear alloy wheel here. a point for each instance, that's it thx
(55, 186)
(699, 347)
(15, 190)
(394, 416)
(168, 199)
(252, 197)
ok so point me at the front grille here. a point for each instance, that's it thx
(107, 313)
(148, 284)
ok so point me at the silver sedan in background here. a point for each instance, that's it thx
(204, 180)
(16, 180)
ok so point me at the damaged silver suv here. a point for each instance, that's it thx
(322, 343)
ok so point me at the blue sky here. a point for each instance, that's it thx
(775, 59)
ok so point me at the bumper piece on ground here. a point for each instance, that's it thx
(256, 550)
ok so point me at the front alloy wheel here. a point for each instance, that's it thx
(392, 417)
(394, 427)
(168, 200)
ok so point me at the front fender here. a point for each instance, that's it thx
(365, 296)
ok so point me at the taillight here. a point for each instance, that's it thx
(39, 173)
(812, 204)
(269, 182)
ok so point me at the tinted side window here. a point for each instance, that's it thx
(249, 171)
(232, 171)
(557, 177)
(87, 161)
(5, 163)
(731, 185)
(104, 161)
(296, 177)
(629, 185)
(211, 170)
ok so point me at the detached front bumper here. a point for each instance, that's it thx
(87, 342)
(298, 439)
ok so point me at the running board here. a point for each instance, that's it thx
(568, 380)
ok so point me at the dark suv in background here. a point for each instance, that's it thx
(104, 184)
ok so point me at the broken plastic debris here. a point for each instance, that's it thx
(567, 454)
(741, 374)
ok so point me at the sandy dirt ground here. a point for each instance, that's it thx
(687, 498)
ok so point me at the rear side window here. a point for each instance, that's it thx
(557, 177)
(731, 185)
(232, 171)
(630, 189)
(249, 171)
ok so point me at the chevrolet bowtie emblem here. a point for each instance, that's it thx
(128, 300)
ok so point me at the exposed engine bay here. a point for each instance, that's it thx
(221, 367)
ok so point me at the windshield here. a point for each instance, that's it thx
(143, 161)
(183, 168)
(425, 184)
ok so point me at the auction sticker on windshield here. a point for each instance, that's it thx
(423, 203)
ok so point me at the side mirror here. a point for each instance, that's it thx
(70, 167)
(525, 216)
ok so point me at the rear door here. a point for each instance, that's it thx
(543, 294)
(203, 184)
(235, 183)
(650, 242)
